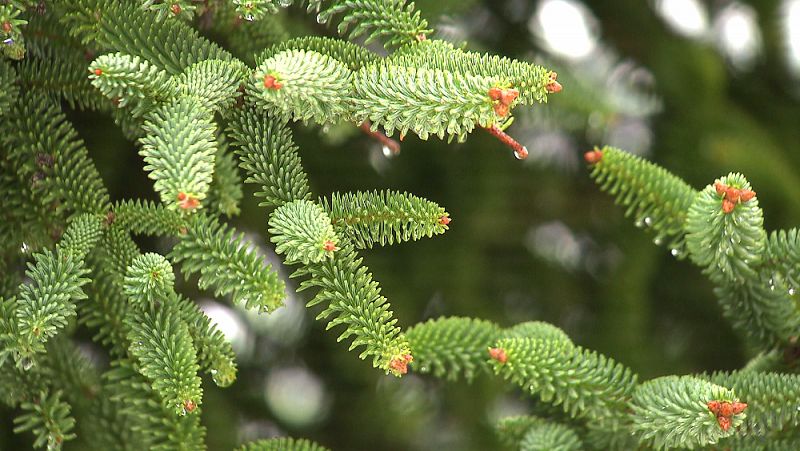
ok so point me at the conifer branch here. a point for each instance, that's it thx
(224, 261)
(179, 150)
(384, 217)
(351, 55)
(48, 418)
(269, 156)
(657, 199)
(282, 444)
(684, 412)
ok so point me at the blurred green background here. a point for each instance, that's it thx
(703, 88)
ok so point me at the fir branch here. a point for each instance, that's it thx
(149, 280)
(354, 300)
(302, 85)
(676, 412)
(124, 27)
(762, 310)
(282, 444)
(224, 261)
(49, 419)
(269, 156)
(530, 433)
(159, 427)
(303, 232)
(160, 341)
(225, 191)
(727, 244)
(548, 436)
(214, 352)
(179, 150)
(531, 80)
(425, 101)
(9, 89)
(452, 347)
(43, 139)
(46, 304)
(148, 218)
(782, 255)
(383, 217)
(131, 81)
(394, 21)
(657, 199)
(351, 55)
(213, 83)
(583, 382)
(771, 398)
(538, 330)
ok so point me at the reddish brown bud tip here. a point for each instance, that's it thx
(495, 93)
(400, 364)
(116, 101)
(183, 230)
(728, 205)
(593, 156)
(270, 82)
(553, 87)
(745, 195)
(175, 8)
(110, 217)
(7, 27)
(98, 72)
(444, 220)
(421, 37)
(738, 407)
(724, 423)
(725, 409)
(501, 109)
(714, 407)
(187, 202)
(498, 354)
(720, 188)
(329, 246)
(189, 405)
(508, 96)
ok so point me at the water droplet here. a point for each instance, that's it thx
(249, 18)
(791, 291)
(648, 221)
(285, 3)
(8, 41)
(658, 241)
(521, 154)
(639, 223)
(26, 363)
(322, 18)
(675, 252)
(771, 284)
(25, 248)
(388, 152)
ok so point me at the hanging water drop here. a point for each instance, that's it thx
(521, 153)
(675, 252)
(322, 18)
(387, 151)
(249, 17)
(639, 223)
(26, 363)
(285, 3)
(24, 248)
(791, 291)
(658, 240)
(648, 221)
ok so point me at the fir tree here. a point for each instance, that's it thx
(198, 115)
